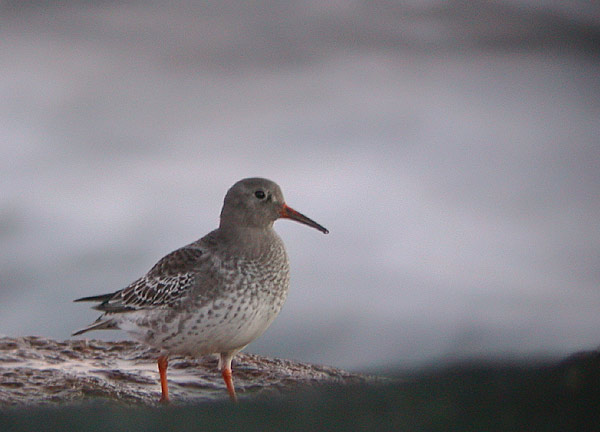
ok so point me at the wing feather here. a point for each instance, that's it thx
(168, 281)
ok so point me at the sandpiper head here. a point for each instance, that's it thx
(258, 202)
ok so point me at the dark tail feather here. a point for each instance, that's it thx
(97, 298)
(100, 324)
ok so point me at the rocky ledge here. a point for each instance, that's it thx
(39, 371)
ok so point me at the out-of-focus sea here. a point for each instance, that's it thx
(451, 148)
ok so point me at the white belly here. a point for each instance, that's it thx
(215, 328)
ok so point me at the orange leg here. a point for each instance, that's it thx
(226, 372)
(163, 362)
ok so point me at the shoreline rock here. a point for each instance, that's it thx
(40, 371)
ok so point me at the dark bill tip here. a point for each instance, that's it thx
(289, 213)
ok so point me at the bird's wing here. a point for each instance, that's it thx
(168, 281)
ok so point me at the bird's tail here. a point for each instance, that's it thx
(96, 298)
(101, 323)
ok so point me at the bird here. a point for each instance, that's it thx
(216, 294)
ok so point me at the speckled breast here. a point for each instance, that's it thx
(240, 298)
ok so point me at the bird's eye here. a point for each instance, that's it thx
(259, 194)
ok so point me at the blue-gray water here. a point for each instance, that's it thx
(451, 149)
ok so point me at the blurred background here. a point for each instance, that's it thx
(451, 147)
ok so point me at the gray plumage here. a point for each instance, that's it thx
(218, 293)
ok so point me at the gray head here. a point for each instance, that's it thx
(257, 203)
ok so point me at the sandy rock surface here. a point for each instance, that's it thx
(35, 370)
